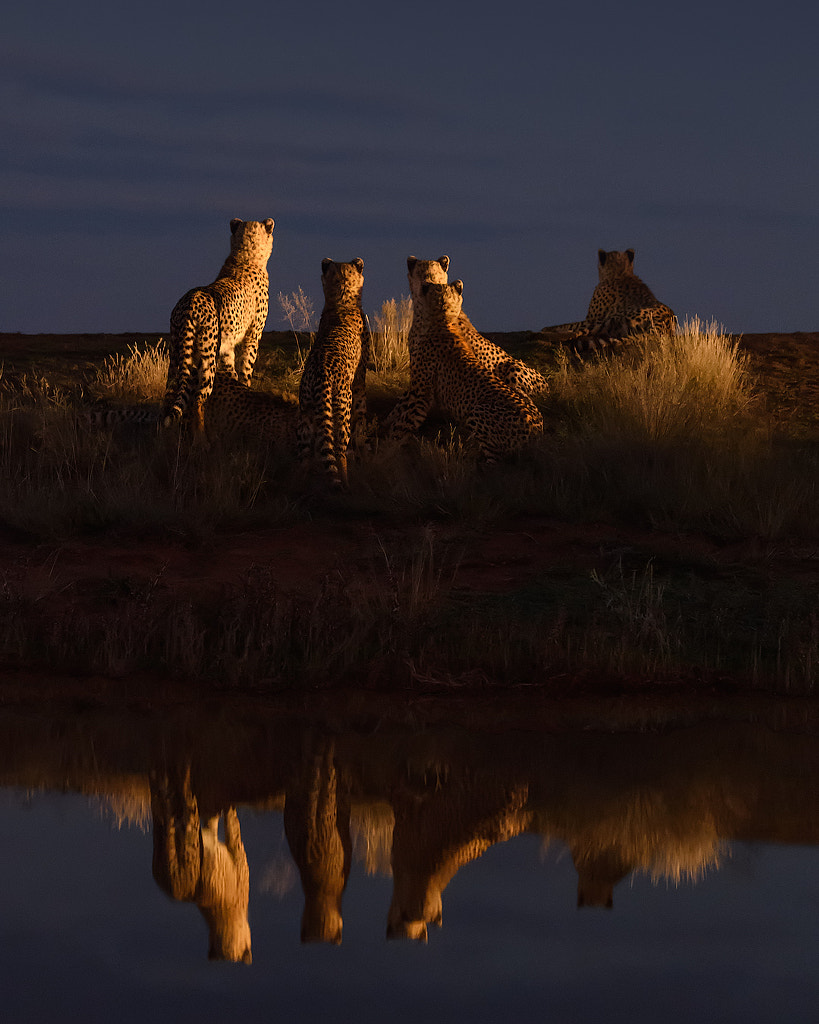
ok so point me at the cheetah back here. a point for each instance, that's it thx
(210, 325)
(334, 375)
(515, 373)
(621, 305)
(500, 419)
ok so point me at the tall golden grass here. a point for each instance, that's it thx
(388, 349)
(138, 377)
(692, 385)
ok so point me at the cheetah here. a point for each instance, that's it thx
(232, 410)
(192, 864)
(270, 416)
(621, 305)
(514, 373)
(331, 393)
(212, 323)
(499, 419)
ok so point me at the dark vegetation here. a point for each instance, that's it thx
(680, 505)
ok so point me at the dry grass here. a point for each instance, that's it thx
(140, 376)
(392, 324)
(410, 622)
(693, 385)
(668, 435)
(371, 826)
(300, 313)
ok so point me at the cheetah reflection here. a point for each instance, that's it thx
(441, 825)
(317, 826)
(191, 863)
(598, 871)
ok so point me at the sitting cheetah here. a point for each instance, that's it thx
(331, 395)
(501, 420)
(621, 305)
(232, 409)
(515, 374)
(211, 323)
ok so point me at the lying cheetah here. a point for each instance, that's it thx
(517, 375)
(621, 305)
(331, 395)
(501, 420)
(232, 409)
(212, 323)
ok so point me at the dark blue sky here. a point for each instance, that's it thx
(518, 139)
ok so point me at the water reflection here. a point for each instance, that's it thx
(419, 804)
(191, 863)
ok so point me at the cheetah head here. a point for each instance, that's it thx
(342, 280)
(432, 271)
(614, 264)
(251, 241)
(443, 299)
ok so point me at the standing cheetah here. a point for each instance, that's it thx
(210, 324)
(501, 420)
(621, 305)
(331, 394)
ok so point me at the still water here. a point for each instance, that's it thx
(670, 875)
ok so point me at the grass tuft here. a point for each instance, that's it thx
(389, 350)
(693, 385)
(140, 376)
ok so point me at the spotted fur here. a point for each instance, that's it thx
(331, 395)
(232, 409)
(499, 419)
(621, 305)
(213, 324)
(514, 373)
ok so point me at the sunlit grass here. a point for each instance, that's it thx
(693, 385)
(140, 376)
(391, 327)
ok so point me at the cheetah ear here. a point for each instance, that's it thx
(411, 261)
(630, 254)
(269, 225)
(458, 286)
(235, 224)
(358, 262)
(444, 261)
(325, 263)
(601, 256)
